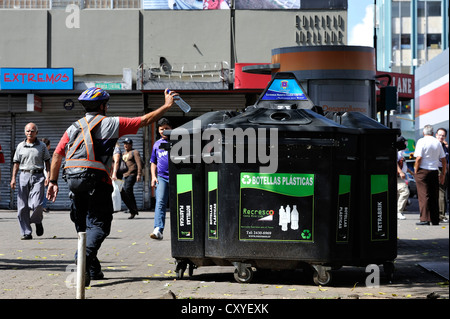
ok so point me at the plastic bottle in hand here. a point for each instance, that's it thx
(181, 103)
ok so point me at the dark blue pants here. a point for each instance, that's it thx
(93, 214)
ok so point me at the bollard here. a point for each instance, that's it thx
(81, 265)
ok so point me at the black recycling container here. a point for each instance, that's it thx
(377, 204)
(187, 191)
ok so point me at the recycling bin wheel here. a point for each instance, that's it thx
(243, 276)
(322, 280)
(321, 275)
(180, 268)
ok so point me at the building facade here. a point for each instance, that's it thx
(409, 34)
(135, 49)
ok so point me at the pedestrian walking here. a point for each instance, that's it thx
(402, 187)
(30, 158)
(428, 154)
(133, 161)
(159, 169)
(88, 146)
(441, 135)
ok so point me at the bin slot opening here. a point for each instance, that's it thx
(280, 116)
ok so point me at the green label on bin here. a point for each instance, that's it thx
(212, 205)
(379, 207)
(185, 220)
(343, 210)
(276, 207)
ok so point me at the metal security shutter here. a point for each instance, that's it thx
(5, 142)
(8, 104)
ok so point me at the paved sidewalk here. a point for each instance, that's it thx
(137, 267)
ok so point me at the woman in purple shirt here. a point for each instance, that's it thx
(159, 169)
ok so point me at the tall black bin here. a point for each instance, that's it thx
(377, 217)
(187, 192)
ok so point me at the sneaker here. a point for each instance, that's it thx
(400, 216)
(156, 234)
(39, 229)
(26, 237)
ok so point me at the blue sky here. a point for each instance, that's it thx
(360, 22)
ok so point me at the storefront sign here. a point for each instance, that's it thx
(68, 104)
(403, 82)
(109, 86)
(36, 79)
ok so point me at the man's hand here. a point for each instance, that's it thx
(52, 192)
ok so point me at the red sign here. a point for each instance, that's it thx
(403, 82)
(243, 80)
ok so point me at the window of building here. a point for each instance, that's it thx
(434, 8)
(395, 9)
(406, 41)
(434, 40)
(421, 9)
(405, 9)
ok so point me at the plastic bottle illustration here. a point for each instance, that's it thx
(181, 103)
(280, 215)
(284, 219)
(288, 213)
(294, 218)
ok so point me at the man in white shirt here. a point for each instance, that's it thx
(428, 153)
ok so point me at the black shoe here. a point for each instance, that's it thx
(39, 230)
(98, 276)
(26, 237)
(423, 223)
(132, 215)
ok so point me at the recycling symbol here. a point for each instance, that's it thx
(246, 179)
(306, 234)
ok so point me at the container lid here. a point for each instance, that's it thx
(285, 120)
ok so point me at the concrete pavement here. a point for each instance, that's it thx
(138, 267)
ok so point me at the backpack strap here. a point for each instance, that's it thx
(85, 136)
